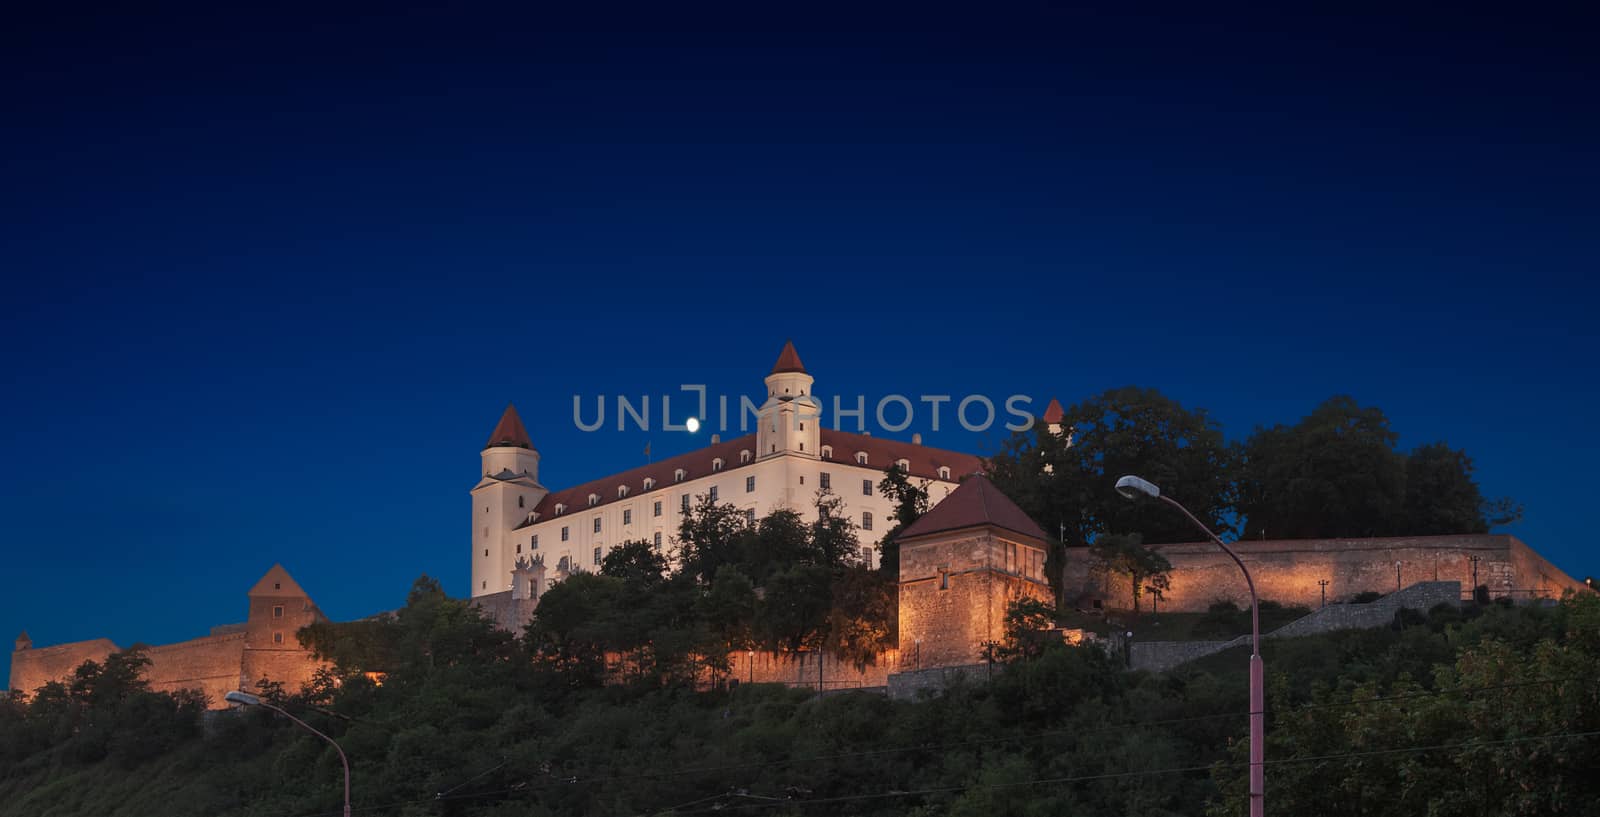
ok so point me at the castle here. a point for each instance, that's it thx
(960, 564)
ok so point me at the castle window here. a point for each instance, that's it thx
(597, 524)
(866, 487)
(561, 508)
(827, 481)
(744, 455)
(627, 516)
(277, 611)
(520, 502)
(802, 426)
(861, 458)
(485, 551)
(944, 472)
(656, 509)
(685, 503)
(678, 475)
(802, 446)
(649, 482)
(905, 465)
(622, 491)
(565, 564)
(712, 493)
(658, 540)
(277, 638)
(519, 547)
(866, 556)
(716, 464)
(485, 585)
(827, 452)
(534, 544)
(802, 479)
(597, 555)
(866, 520)
(944, 578)
(594, 499)
(277, 586)
(772, 449)
(750, 516)
(563, 533)
(749, 484)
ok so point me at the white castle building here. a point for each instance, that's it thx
(520, 527)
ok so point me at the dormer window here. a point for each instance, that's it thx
(678, 475)
(744, 455)
(649, 483)
(905, 465)
(594, 499)
(861, 458)
(716, 464)
(622, 491)
(944, 472)
(827, 452)
(561, 508)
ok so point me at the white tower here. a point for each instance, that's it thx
(502, 500)
(790, 419)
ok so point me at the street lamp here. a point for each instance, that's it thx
(1324, 584)
(246, 699)
(1133, 487)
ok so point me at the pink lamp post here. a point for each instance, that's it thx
(1133, 487)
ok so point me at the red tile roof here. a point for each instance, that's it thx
(509, 431)
(881, 453)
(977, 502)
(1053, 412)
(788, 360)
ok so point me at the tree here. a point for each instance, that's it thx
(1442, 497)
(711, 535)
(636, 562)
(1027, 628)
(862, 617)
(1335, 473)
(1143, 567)
(1066, 482)
(910, 503)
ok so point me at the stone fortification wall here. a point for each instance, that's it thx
(34, 667)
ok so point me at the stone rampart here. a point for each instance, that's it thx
(34, 667)
(1290, 571)
(209, 664)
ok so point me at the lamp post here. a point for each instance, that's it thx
(1324, 583)
(246, 699)
(750, 664)
(1474, 561)
(1134, 487)
(1397, 574)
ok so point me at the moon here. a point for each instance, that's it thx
(693, 424)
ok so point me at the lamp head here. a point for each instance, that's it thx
(243, 698)
(1133, 487)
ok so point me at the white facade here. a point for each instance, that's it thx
(786, 464)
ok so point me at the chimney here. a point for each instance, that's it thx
(716, 438)
(916, 438)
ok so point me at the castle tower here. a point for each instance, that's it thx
(1053, 415)
(279, 607)
(961, 565)
(503, 499)
(790, 419)
(527, 578)
(24, 642)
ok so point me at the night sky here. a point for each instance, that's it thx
(271, 276)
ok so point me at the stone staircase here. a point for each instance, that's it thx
(1159, 656)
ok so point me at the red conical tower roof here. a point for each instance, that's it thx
(1053, 412)
(975, 502)
(788, 360)
(509, 433)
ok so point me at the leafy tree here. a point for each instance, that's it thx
(1335, 473)
(1066, 482)
(861, 621)
(910, 503)
(637, 563)
(711, 535)
(1027, 629)
(1442, 497)
(575, 624)
(1144, 568)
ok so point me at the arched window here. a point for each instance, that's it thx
(649, 483)
(594, 499)
(905, 465)
(716, 464)
(861, 458)
(561, 508)
(744, 455)
(944, 472)
(827, 452)
(678, 475)
(622, 491)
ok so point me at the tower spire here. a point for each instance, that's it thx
(509, 432)
(788, 360)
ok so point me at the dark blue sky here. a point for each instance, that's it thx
(270, 277)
